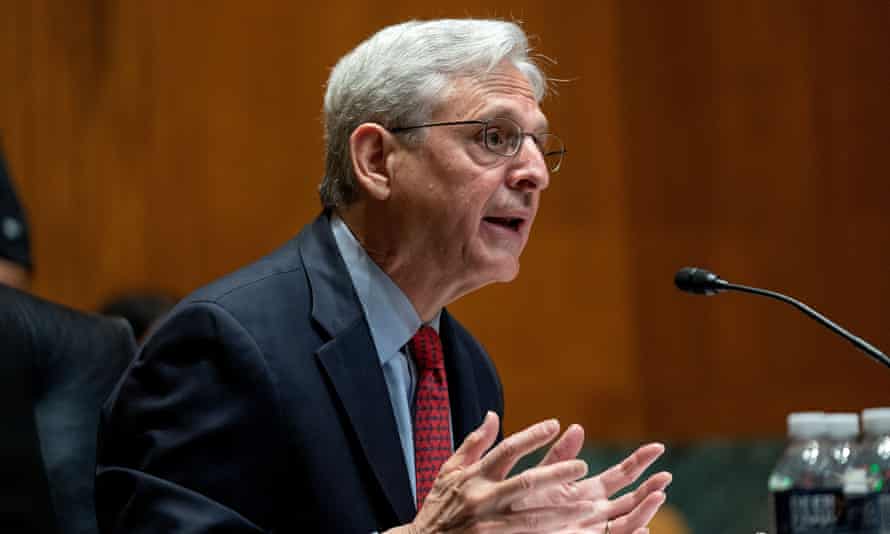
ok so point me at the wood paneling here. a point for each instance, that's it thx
(162, 144)
(754, 132)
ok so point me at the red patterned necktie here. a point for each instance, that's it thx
(432, 418)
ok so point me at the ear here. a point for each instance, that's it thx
(369, 146)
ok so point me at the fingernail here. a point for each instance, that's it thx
(552, 425)
(582, 467)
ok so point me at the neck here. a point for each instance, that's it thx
(381, 236)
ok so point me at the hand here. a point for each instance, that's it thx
(472, 494)
(628, 514)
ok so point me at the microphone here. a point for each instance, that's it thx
(699, 281)
(703, 282)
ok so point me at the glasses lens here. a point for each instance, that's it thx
(503, 136)
(553, 150)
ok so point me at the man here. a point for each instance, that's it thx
(15, 252)
(308, 392)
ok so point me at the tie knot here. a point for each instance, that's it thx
(426, 348)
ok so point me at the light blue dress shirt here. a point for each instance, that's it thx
(393, 321)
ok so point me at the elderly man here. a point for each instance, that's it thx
(324, 388)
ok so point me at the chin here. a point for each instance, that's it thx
(491, 266)
(506, 272)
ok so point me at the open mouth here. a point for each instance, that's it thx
(511, 223)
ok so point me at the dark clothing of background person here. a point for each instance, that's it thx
(14, 241)
(141, 309)
(259, 404)
(15, 246)
(58, 366)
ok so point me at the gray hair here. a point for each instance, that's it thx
(399, 75)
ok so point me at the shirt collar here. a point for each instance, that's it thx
(391, 317)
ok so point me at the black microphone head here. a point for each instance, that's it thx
(698, 281)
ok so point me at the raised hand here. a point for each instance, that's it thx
(472, 493)
(628, 514)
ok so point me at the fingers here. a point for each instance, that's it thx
(537, 480)
(474, 445)
(566, 447)
(626, 503)
(554, 496)
(640, 516)
(500, 460)
(619, 476)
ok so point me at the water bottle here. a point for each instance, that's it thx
(801, 499)
(874, 461)
(855, 511)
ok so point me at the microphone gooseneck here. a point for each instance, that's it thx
(703, 282)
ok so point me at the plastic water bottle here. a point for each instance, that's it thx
(855, 511)
(874, 460)
(801, 500)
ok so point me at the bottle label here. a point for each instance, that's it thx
(799, 511)
(883, 506)
(859, 514)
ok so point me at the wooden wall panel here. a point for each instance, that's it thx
(162, 144)
(735, 135)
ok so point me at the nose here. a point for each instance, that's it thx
(529, 171)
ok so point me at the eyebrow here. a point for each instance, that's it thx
(503, 111)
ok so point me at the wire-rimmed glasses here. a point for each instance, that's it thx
(504, 137)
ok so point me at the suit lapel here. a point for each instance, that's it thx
(350, 361)
(466, 413)
(352, 366)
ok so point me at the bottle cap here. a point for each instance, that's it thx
(842, 425)
(876, 421)
(806, 425)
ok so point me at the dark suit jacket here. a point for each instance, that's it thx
(260, 405)
(57, 366)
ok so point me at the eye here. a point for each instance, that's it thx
(494, 138)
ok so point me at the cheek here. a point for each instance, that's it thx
(470, 207)
(459, 188)
(456, 219)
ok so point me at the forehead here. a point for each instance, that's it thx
(503, 92)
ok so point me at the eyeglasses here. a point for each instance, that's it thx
(504, 137)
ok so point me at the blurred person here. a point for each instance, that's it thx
(325, 388)
(58, 365)
(142, 309)
(15, 249)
